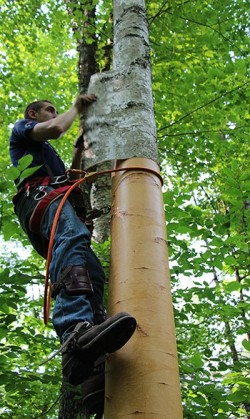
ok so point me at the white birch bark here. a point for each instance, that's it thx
(121, 124)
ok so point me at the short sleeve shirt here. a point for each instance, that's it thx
(43, 153)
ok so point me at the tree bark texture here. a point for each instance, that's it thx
(121, 114)
(121, 124)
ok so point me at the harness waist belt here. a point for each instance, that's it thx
(36, 181)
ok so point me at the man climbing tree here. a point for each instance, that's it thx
(199, 53)
(75, 272)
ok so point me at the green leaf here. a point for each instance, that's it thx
(13, 173)
(246, 344)
(24, 162)
(230, 260)
(3, 379)
(237, 396)
(233, 286)
(196, 360)
(10, 318)
(28, 172)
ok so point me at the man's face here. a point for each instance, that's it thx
(47, 112)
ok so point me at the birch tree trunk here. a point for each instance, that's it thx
(142, 379)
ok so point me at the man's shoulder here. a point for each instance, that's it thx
(22, 127)
(24, 123)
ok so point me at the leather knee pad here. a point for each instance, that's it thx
(75, 281)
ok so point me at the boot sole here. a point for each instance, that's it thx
(110, 339)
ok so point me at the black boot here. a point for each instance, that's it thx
(87, 342)
(93, 389)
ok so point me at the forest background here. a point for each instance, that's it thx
(200, 70)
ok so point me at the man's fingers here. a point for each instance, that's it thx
(89, 98)
(84, 100)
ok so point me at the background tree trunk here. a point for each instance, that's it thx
(97, 194)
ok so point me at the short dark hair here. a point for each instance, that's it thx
(36, 106)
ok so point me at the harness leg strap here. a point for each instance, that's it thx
(100, 314)
(74, 280)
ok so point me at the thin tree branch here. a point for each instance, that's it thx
(197, 132)
(49, 408)
(204, 105)
(162, 10)
(187, 19)
(205, 25)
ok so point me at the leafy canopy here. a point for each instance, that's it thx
(200, 70)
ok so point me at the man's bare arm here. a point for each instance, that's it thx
(56, 127)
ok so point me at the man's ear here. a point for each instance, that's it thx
(32, 114)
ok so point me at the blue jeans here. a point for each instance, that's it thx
(71, 248)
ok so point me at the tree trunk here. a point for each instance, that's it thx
(142, 379)
(71, 405)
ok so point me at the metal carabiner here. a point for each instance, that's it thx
(59, 180)
(41, 194)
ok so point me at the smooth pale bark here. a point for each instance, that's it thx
(142, 379)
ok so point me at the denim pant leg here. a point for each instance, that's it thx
(70, 248)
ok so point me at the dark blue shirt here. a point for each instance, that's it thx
(43, 153)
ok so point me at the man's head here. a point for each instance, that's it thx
(41, 110)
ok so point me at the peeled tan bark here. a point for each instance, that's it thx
(142, 379)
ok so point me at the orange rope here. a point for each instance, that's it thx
(47, 284)
(87, 176)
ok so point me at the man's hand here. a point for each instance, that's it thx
(82, 101)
